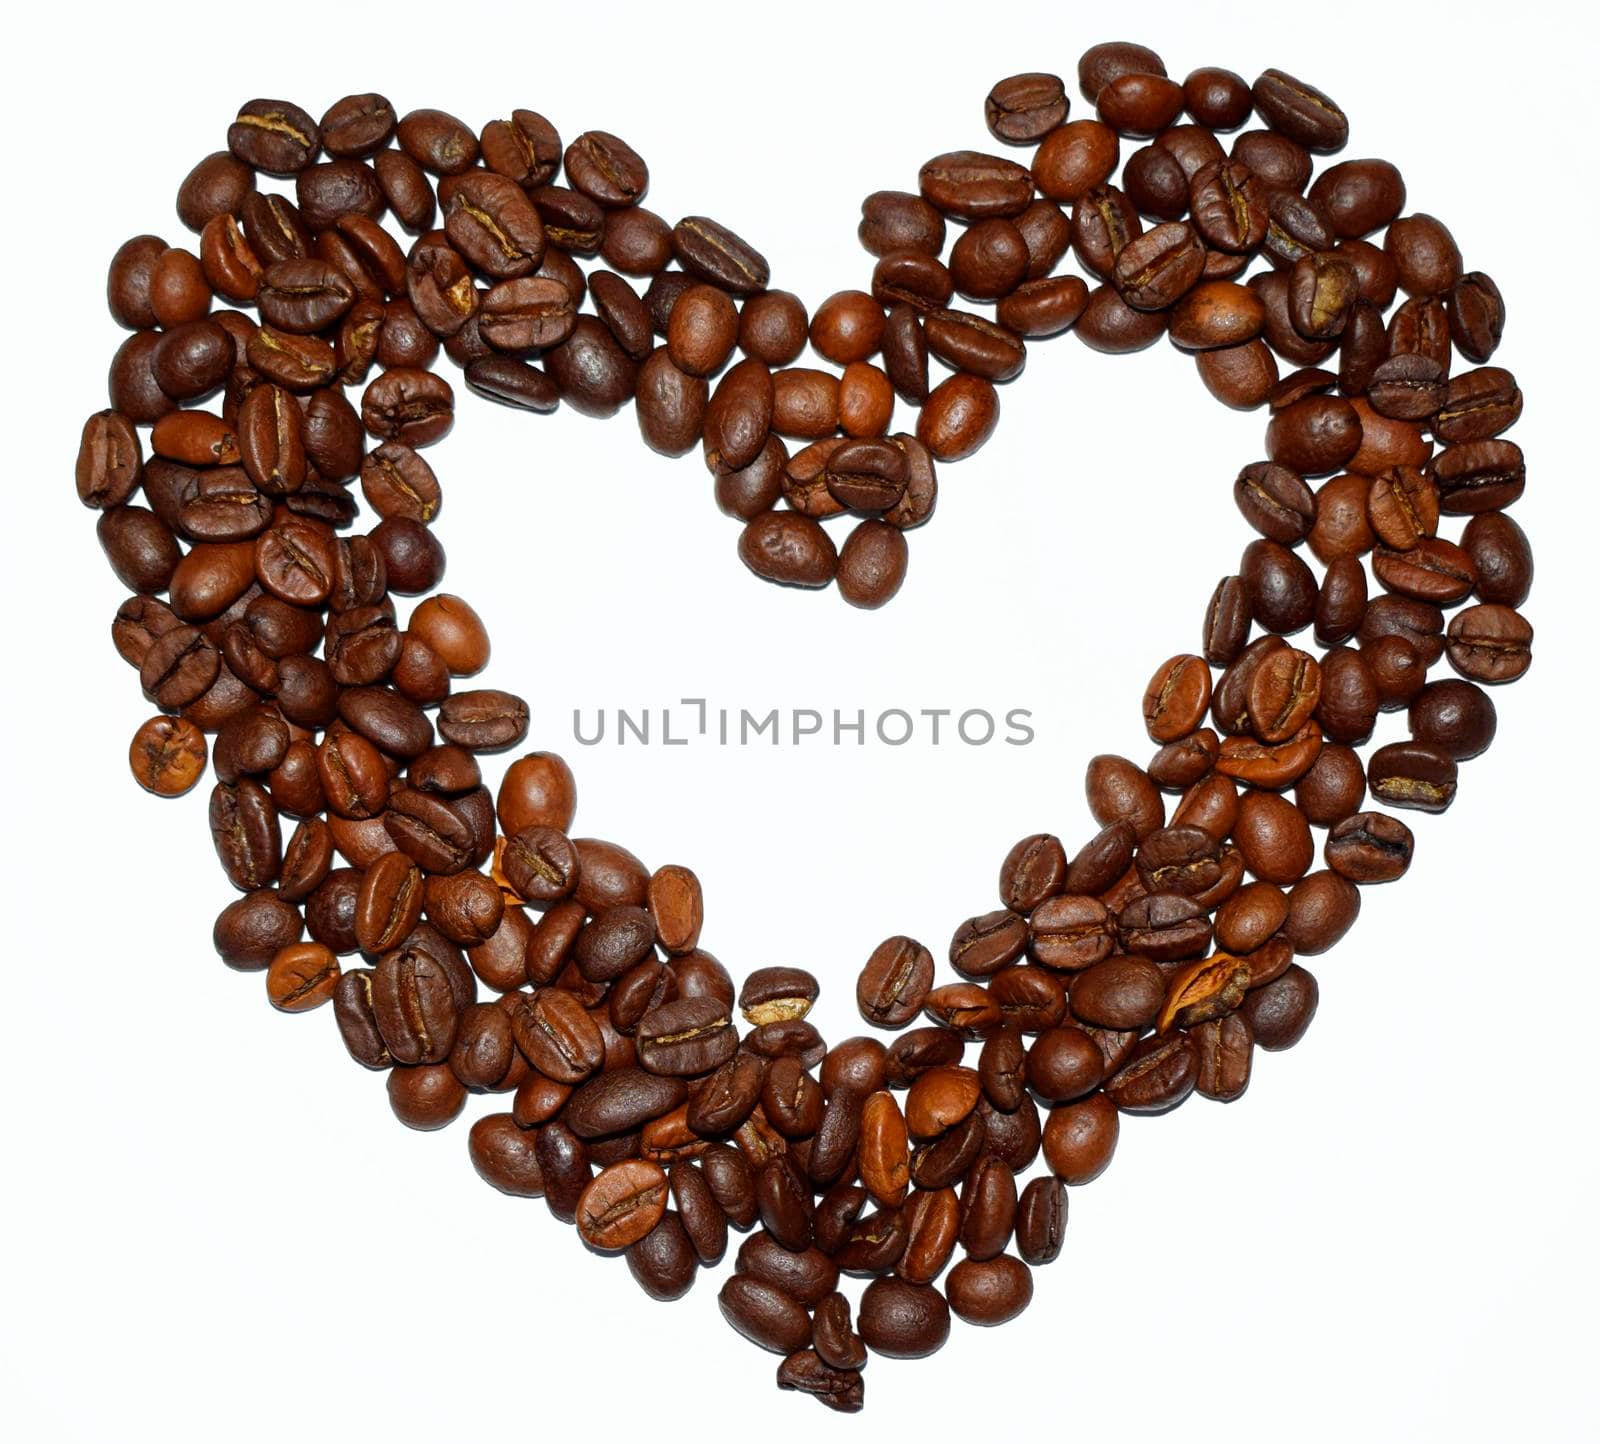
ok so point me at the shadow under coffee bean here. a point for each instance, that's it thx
(470, 942)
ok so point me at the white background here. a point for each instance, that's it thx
(214, 1227)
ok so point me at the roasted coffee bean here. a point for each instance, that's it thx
(1000, 1068)
(1300, 111)
(1275, 501)
(1118, 993)
(415, 1006)
(426, 1097)
(621, 1204)
(1079, 1138)
(991, 1291)
(1229, 205)
(1225, 1046)
(1455, 716)
(973, 186)
(765, 1314)
(557, 1036)
(1161, 1073)
(790, 549)
(1491, 642)
(1177, 698)
(505, 1155)
(1164, 927)
(429, 830)
(687, 1037)
(389, 904)
(1322, 907)
(1280, 1012)
(1369, 847)
(1022, 109)
(1156, 183)
(715, 254)
(1041, 1221)
(902, 1320)
(245, 832)
(563, 1162)
(1477, 316)
(1071, 931)
(302, 976)
(252, 930)
(1479, 476)
(1477, 406)
(777, 994)
(894, 983)
(983, 945)
(1182, 858)
(836, 1342)
(167, 756)
(486, 720)
(1154, 270)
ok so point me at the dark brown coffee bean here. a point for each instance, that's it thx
(1022, 109)
(1161, 1073)
(1479, 476)
(790, 549)
(1412, 774)
(1490, 642)
(1275, 501)
(1225, 1046)
(1119, 993)
(1477, 316)
(1164, 927)
(1477, 406)
(1300, 111)
(985, 944)
(903, 1321)
(686, 1037)
(1369, 847)
(1433, 570)
(1455, 716)
(973, 186)
(505, 1155)
(557, 1036)
(415, 1006)
(715, 254)
(765, 1314)
(486, 720)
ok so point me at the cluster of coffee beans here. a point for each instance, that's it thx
(1147, 966)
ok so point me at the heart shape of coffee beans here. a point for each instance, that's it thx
(1145, 966)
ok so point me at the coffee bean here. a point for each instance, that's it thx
(973, 186)
(687, 1037)
(1477, 316)
(1369, 847)
(302, 976)
(486, 720)
(621, 1204)
(789, 549)
(1455, 716)
(1280, 1012)
(1022, 109)
(1490, 642)
(902, 1320)
(505, 1156)
(715, 254)
(1300, 111)
(765, 1314)
(989, 1292)
(167, 756)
